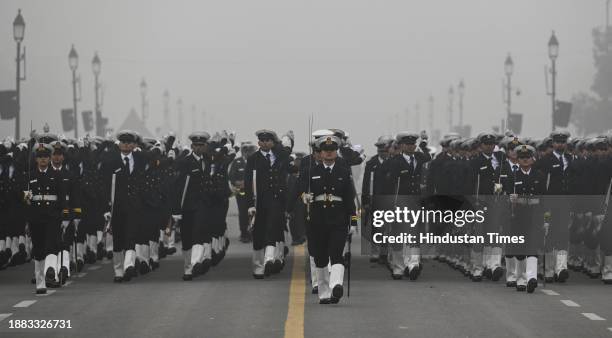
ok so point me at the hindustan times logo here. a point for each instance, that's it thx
(413, 217)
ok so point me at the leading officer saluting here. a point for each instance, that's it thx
(329, 190)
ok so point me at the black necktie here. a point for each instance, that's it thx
(514, 168)
(328, 170)
(127, 164)
(268, 158)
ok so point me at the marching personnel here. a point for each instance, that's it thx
(48, 216)
(190, 206)
(526, 190)
(124, 176)
(265, 182)
(403, 181)
(554, 164)
(331, 196)
(236, 177)
(486, 168)
(372, 186)
(509, 168)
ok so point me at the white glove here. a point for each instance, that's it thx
(10, 154)
(353, 230)
(286, 141)
(307, 198)
(171, 154)
(81, 143)
(546, 227)
(76, 222)
(252, 211)
(177, 218)
(137, 149)
(65, 225)
(230, 149)
(423, 135)
(513, 198)
(497, 188)
(22, 146)
(27, 195)
(107, 216)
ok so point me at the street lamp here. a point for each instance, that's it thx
(143, 95)
(509, 69)
(451, 94)
(553, 53)
(461, 91)
(96, 66)
(18, 35)
(73, 62)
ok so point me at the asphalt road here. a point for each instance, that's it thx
(228, 302)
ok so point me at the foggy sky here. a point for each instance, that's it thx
(354, 64)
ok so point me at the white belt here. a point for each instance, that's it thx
(327, 198)
(528, 201)
(44, 198)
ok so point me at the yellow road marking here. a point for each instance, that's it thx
(294, 325)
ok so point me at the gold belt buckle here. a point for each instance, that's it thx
(328, 197)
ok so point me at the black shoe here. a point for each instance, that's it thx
(187, 277)
(337, 292)
(227, 243)
(497, 274)
(154, 264)
(100, 251)
(144, 268)
(285, 251)
(206, 264)
(549, 279)
(41, 291)
(487, 273)
(563, 276)
(325, 301)
(406, 271)
(161, 251)
(63, 275)
(511, 284)
(477, 278)
(118, 279)
(595, 275)
(50, 279)
(129, 273)
(414, 273)
(109, 255)
(197, 269)
(268, 268)
(258, 276)
(90, 257)
(215, 258)
(315, 290)
(532, 285)
(607, 281)
(171, 251)
(521, 288)
(396, 276)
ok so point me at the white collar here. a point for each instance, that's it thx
(196, 156)
(331, 166)
(57, 168)
(525, 172)
(43, 171)
(130, 156)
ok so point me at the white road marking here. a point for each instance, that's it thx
(610, 329)
(80, 275)
(592, 316)
(49, 292)
(68, 283)
(24, 303)
(550, 292)
(569, 303)
(94, 267)
(4, 316)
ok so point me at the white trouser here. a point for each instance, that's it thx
(511, 269)
(197, 252)
(187, 266)
(412, 257)
(476, 262)
(2, 244)
(606, 272)
(531, 268)
(118, 258)
(170, 239)
(397, 261)
(92, 243)
(39, 273)
(258, 262)
(336, 275)
(130, 259)
(109, 242)
(51, 262)
(154, 251)
(550, 264)
(269, 253)
(495, 258)
(100, 236)
(323, 283)
(313, 272)
(486, 256)
(521, 272)
(65, 260)
(561, 261)
(207, 252)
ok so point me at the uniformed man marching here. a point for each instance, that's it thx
(328, 189)
(48, 215)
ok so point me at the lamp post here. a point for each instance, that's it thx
(73, 62)
(461, 92)
(451, 94)
(18, 34)
(96, 66)
(553, 53)
(143, 96)
(508, 69)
